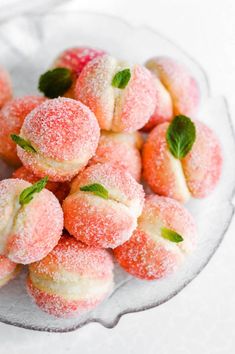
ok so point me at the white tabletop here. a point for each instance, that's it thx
(201, 319)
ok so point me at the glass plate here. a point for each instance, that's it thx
(28, 46)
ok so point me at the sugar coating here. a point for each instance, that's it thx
(8, 270)
(121, 185)
(97, 221)
(161, 170)
(136, 103)
(197, 174)
(133, 139)
(60, 190)
(117, 109)
(203, 165)
(28, 232)
(72, 279)
(147, 255)
(65, 134)
(115, 149)
(12, 117)
(75, 257)
(77, 58)
(94, 89)
(179, 82)
(164, 107)
(5, 87)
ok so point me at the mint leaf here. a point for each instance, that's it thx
(55, 82)
(180, 136)
(121, 78)
(171, 235)
(28, 193)
(96, 189)
(24, 144)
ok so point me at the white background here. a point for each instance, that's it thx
(201, 319)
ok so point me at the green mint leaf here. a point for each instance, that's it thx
(171, 235)
(28, 193)
(24, 144)
(96, 189)
(55, 82)
(180, 136)
(121, 78)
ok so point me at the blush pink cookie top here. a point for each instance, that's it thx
(117, 109)
(75, 59)
(103, 222)
(118, 149)
(147, 254)
(72, 279)
(179, 82)
(12, 117)
(60, 190)
(28, 232)
(195, 175)
(65, 135)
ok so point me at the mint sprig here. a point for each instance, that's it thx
(121, 78)
(96, 189)
(24, 144)
(28, 193)
(55, 82)
(180, 136)
(171, 235)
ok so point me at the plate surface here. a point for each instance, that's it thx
(28, 47)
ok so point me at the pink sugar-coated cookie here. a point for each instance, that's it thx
(195, 175)
(126, 109)
(147, 255)
(114, 148)
(102, 222)
(75, 59)
(134, 139)
(5, 87)
(164, 108)
(72, 279)
(203, 165)
(65, 135)
(179, 82)
(28, 232)
(12, 117)
(60, 190)
(8, 270)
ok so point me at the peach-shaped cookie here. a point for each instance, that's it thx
(61, 79)
(194, 175)
(164, 108)
(8, 270)
(72, 279)
(134, 139)
(166, 233)
(61, 190)
(31, 221)
(103, 206)
(179, 82)
(5, 87)
(61, 136)
(118, 149)
(76, 58)
(122, 97)
(12, 117)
